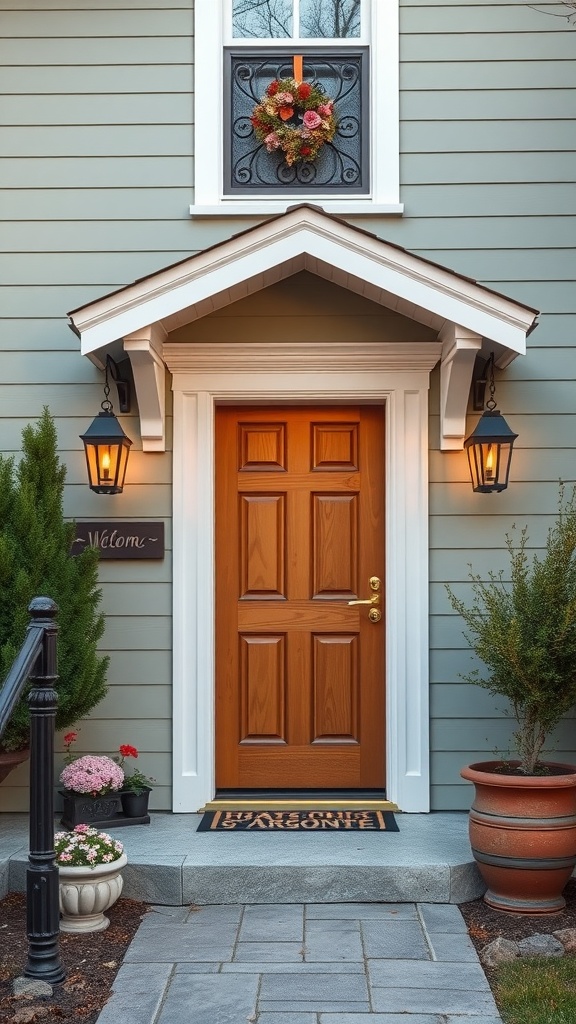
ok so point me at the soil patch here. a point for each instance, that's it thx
(485, 924)
(91, 962)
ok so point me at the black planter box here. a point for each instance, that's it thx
(99, 811)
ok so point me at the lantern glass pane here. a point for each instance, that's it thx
(489, 464)
(122, 463)
(91, 460)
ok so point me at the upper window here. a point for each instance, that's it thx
(288, 19)
(300, 87)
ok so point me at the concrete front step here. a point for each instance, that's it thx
(427, 861)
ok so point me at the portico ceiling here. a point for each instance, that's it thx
(463, 314)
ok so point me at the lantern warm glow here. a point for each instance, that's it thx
(107, 448)
(489, 447)
(489, 450)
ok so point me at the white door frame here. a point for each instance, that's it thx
(396, 375)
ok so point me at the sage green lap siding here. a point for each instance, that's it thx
(484, 104)
(491, 200)
(516, 19)
(439, 136)
(172, 237)
(483, 46)
(105, 109)
(103, 5)
(153, 701)
(501, 74)
(540, 265)
(95, 170)
(97, 50)
(83, 268)
(106, 79)
(77, 141)
(87, 204)
(434, 168)
(97, 114)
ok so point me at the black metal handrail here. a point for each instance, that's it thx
(37, 662)
(19, 674)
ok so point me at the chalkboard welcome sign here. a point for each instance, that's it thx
(121, 540)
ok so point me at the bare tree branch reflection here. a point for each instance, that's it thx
(334, 19)
(262, 19)
(320, 19)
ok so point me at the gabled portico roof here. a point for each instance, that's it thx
(463, 313)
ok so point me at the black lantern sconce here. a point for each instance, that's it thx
(106, 445)
(489, 447)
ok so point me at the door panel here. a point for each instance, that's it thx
(299, 532)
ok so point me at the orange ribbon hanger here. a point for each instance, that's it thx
(298, 69)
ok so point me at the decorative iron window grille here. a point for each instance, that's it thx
(342, 165)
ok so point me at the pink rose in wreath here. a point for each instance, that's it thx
(271, 142)
(325, 109)
(311, 120)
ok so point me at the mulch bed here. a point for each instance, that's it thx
(485, 924)
(91, 962)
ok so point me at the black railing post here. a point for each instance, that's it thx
(42, 906)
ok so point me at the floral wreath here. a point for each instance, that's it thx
(276, 118)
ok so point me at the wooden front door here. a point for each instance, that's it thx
(299, 534)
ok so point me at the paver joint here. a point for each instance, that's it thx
(352, 963)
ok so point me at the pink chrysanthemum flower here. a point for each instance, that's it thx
(95, 775)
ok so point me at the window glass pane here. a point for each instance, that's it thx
(334, 19)
(262, 19)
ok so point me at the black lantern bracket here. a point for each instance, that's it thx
(482, 373)
(122, 384)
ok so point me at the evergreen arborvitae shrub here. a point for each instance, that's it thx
(35, 559)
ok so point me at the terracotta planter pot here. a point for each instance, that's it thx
(11, 760)
(523, 835)
(85, 893)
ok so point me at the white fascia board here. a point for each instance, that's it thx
(269, 245)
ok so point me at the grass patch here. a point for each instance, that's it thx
(535, 990)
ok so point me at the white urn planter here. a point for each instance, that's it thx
(85, 893)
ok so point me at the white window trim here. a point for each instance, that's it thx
(380, 373)
(209, 41)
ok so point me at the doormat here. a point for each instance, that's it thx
(298, 821)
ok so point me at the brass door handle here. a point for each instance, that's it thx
(375, 614)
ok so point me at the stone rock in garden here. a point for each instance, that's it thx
(540, 945)
(29, 1014)
(26, 988)
(567, 936)
(500, 951)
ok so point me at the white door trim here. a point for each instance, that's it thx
(405, 394)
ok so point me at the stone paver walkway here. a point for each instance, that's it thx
(346, 963)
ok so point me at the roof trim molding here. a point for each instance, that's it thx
(461, 310)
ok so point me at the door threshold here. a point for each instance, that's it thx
(317, 800)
